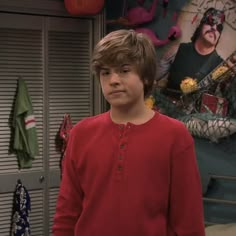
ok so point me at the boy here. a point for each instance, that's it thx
(130, 171)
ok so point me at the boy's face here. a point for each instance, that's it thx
(122, 86)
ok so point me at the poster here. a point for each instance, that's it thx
(197, 7)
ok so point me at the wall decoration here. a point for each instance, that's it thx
(194, 69)
(84, 7)
(193, 12)
(139, 17)
(136, 15)
(228, 6)
(173, 34)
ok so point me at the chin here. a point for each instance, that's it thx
(211, 43)
(118, 104)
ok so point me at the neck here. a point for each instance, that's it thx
(203, 48)
(135, 115)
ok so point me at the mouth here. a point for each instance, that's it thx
(116, 92)
(211, 32)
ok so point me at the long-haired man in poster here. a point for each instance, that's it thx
(194, 59)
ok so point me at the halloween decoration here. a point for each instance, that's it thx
(214, 105)
(84, 7)
(173, 34)
(150, 102)
(188, 85)
(209, 126)
(136, 16)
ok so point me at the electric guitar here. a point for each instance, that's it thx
(220, 73)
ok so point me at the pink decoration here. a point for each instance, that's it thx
(194, 18)
(140, 15)
(173, 34)
(137, 15)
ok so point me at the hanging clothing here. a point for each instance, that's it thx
(64, 135)
(65, 130)
(21, 209)
(25, 135)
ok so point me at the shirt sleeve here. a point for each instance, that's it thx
(186, 204)
(165, 62)
(69, 203)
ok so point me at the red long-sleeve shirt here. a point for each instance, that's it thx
(129, 180)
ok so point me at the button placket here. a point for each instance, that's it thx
(123, 138)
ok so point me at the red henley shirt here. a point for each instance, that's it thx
(129, 180)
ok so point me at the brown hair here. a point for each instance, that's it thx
(127, 46)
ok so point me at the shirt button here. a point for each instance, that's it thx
(120, 157)
(122, 146)
(120, 168)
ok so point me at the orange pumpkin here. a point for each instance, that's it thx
(84, 7)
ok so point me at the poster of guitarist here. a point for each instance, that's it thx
(194, 59)
(195, 83)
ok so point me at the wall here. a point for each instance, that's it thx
(216, 160)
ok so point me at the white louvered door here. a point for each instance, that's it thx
(52, 55)
(69, 88)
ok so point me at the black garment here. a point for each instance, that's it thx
(188, 62)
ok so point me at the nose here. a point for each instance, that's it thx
(214, 26)
(114, 78)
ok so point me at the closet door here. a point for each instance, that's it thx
(52, 55)
(21, 54)
(69, 86)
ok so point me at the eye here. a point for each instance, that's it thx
(220, 27)
(125, 69)
(104, 72)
